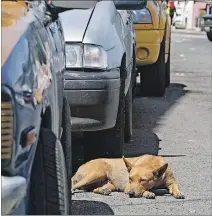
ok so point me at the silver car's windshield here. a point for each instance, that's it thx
(136, 15)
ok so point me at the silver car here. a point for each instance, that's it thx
(100, 75)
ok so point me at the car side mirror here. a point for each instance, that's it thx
(130, 4)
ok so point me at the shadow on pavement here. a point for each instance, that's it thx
(147, 113)
(85, 207)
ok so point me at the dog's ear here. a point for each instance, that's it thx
(159, 172)
(127, 163)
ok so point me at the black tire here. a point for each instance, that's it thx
(209, 35)
(48, 185)
(128, 114)
(167, 69)
(153, 76)
(107, 143)
(67, 144)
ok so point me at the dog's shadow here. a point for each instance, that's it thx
(86, 207)
(161, 192)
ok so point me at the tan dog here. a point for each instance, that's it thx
(134, 176)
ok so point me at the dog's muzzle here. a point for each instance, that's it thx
(131, 193)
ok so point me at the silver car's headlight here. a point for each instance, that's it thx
(74, 55)
(85, 56)
(94, 57)
(142, 16)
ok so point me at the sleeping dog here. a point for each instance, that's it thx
(136, 176)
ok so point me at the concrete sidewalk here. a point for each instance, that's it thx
(188, 31)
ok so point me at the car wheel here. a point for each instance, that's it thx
(167, 69)
(107, 143)
(48, 185)
(128, 115)
(209, 35)
(153, 76)
(67, 143)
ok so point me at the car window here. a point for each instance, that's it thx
(137, 15)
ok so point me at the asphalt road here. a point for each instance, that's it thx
(177, 126)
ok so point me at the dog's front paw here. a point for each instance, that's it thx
(103, 191)
(106, 191)
(179, 196)
(149, 195)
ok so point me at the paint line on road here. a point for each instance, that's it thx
(189, 36)
(179, 74)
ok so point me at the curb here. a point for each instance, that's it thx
(195, 32)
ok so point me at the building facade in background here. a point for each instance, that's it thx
(189, 13)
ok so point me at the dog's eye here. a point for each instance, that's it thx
(143, 179)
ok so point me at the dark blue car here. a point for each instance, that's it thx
(35, 115)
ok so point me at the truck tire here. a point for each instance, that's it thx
(167, 69)
(67, 144)
(128, 114)
(110, 142)
(48, 185)
(209, 35)
(153, 76)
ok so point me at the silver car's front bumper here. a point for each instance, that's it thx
(13, 190)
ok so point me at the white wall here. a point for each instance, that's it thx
(189, 10)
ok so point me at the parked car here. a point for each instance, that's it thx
(153, 37)
(181, 16)
(208, 25)
(35, 115)
(100, 72)
(208, 21)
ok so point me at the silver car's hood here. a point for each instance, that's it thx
(101, 29)
(74, 23)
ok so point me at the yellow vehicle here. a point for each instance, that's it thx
(153, 35)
